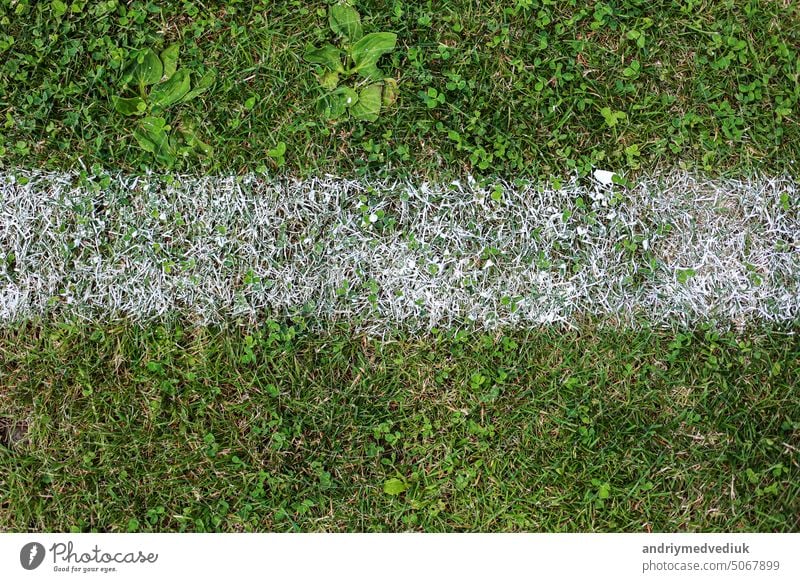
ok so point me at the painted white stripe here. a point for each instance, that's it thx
(673, 250)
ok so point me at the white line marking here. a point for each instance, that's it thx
(674, 250)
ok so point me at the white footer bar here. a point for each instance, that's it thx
(401, 557)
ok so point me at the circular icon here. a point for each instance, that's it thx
(31, 555)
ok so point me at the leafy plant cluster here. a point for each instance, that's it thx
(151, 86)
(367, 90)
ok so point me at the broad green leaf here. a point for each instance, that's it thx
(328, 56)
(349, 96)
(330, 106)
(329, 80)
(170, 91)
(684, 275)
(372, 73)
(169, 59)
(325, 107)
(389, 95)
(203, 85)
(277, 153)
(394, 487)
(129, 106)
(611, 117)
(368, 50)
(127, 77)
(617, 179)
(278, 150)
(345, 21)
(368, 107)
(147, 68)
(59, 8)
(195, 144)
(202, 148)
(151, 134)
(167, 156)
(145, 142)
(334, 104)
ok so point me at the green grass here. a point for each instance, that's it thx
(531, 88)
(283, 429)
(119, 428)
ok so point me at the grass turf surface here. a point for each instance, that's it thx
(528, 88)
(281, 429)
(161, 429)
